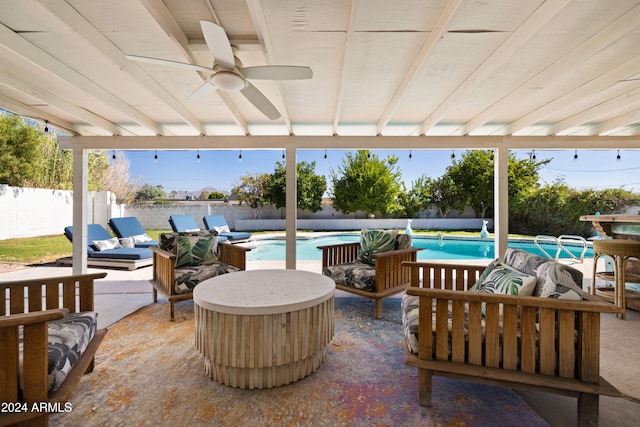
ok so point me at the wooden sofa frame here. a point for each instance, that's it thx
(390, 277)
(164, 271)
(563, 357)
(30, 304)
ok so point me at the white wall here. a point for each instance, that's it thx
(31, 212)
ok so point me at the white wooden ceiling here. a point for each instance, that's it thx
(392, 68)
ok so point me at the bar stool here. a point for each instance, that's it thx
(619, 250)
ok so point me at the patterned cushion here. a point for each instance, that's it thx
(499, 278)
(403, 241)
(554, 280)
(353, 274)
(103, 245)
(409, 307)
(141, 238)
(126, 242)
(186, 278)
(68, 339)
(167, 241)
(374, 242)
(195, 251)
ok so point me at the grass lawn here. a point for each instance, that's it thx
(38, 250)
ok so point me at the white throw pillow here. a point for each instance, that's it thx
(103, 245)
(222, 229)
(139, 238)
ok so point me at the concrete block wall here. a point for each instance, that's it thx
(358, 224)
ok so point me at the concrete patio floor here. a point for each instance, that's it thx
(123, 292)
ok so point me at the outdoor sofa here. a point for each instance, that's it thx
(371, 267)
(523, 322)
(182, 260)
(48, 340)
(105, 250)
(130, 227)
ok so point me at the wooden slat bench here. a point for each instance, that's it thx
(30, 304)
(527, 342)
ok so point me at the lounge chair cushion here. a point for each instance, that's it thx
(183, 223)
(123, 253)
(68, 339)
(219, 224)
(554, 280)
(96, 232)
(358, 275)
(375, 241)
(194, 251)
(186, 278)
(130, 227)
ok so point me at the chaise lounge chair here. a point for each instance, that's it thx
(183, 223)
(104, 250)
(219, 224)
(187, 224)
(130, 227)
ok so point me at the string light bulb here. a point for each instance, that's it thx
(325, 155)
(283, 155)
(46, 126)
(618, 157)
(410, 155)
(453, 155)
(155, 157)
(113, 155)
(198, 157)
(533, 156)
(575, 155)
(240, 156)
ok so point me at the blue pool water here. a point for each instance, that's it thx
(435, 248)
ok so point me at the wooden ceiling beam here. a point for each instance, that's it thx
(521, 35)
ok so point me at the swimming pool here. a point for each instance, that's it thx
(447, 248)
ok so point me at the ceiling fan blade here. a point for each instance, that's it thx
(260, 101)
(219, 45)
(277, 72)
(169, 63)
(206, 89)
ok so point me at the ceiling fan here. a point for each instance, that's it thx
(227, 73)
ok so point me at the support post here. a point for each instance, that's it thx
(80, 195)
(291, 211)
(501, 200)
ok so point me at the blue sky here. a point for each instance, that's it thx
(179, 170)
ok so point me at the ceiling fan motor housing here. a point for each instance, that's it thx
(228, 81)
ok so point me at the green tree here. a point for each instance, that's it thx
(20, 154)
(149, 192)
(555, 209)
(364, 182)
(310, 187)
(217, 195)
(444, 196)
(473, 178)
(418, 198)
(252, 190)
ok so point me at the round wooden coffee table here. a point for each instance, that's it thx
(263, 328)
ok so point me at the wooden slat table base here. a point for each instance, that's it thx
(264, 351)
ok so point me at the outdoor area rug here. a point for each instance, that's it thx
(148, 372)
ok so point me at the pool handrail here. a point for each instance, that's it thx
(558, 241)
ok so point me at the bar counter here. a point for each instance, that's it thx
(616, 226)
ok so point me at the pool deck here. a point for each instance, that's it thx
(123, 292)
